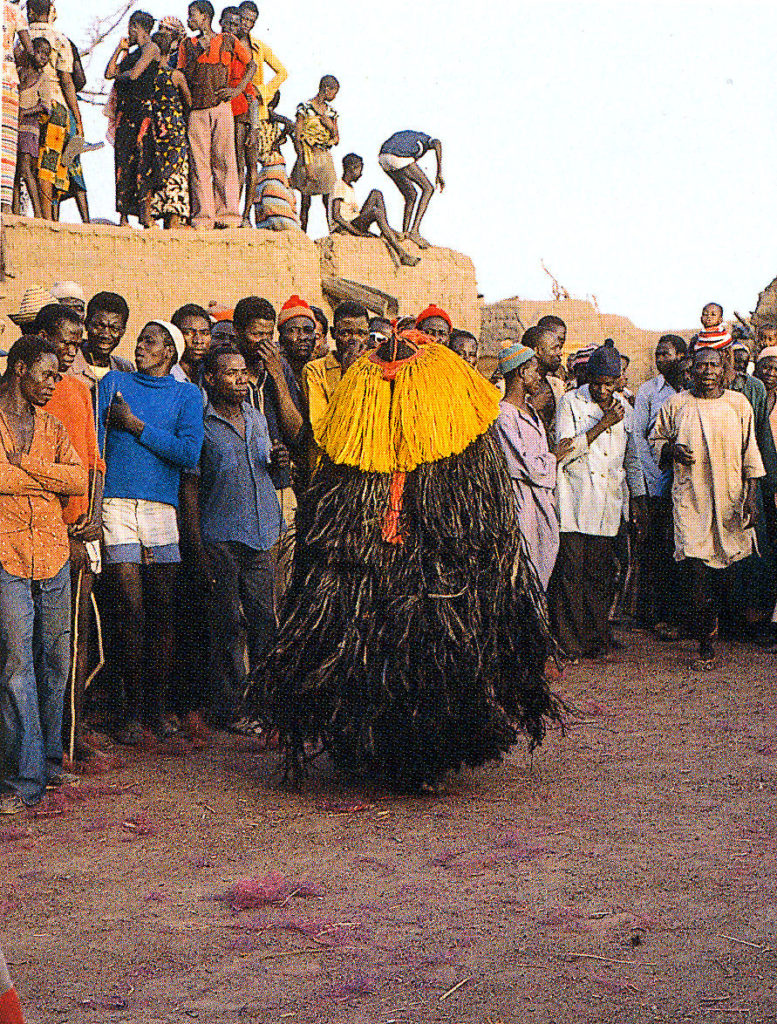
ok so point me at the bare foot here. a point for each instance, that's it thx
(419, 240)
(409, 261)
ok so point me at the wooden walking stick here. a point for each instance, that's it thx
(76, 615)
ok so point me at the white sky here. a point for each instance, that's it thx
(630, 145)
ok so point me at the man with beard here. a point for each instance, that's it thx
(38, 468)
(106, 321)
(657, 600)
(708, 434)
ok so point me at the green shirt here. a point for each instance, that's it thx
(755, 393)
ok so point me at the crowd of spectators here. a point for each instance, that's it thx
(167, 489)
(196, 132)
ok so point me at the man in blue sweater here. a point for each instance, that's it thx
(154, 432)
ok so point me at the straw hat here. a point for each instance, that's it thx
(33, 301)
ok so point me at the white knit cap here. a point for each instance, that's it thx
(175, 334)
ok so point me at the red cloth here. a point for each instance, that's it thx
(207, 72)
(239, 103)
(10, 1008)
(433, 311)
(295, 306)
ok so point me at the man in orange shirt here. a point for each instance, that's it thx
(71, 403)
(38, 466)
(246, 111)
(205, 63)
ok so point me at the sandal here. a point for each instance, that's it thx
(130, 735)
(664, 631)
(245, 726)
(10, 803)
(704, 664)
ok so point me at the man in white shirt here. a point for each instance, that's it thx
(590, 504)
(345, 214)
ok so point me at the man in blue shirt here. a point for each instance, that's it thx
(399, 158)
(237, 525)
(659, 581)
(153, 424)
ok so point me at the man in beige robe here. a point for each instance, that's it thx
(708, 434)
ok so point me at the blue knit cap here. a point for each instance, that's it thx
(512, 355)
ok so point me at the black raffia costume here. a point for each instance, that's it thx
(415, 632)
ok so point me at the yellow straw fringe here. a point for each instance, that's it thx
(439, 406)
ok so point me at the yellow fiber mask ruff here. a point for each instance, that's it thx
(438, 407)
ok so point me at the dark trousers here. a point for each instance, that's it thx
(241, 614)
(580, 593)
(659, 573)
(706, 591)
(193, 684)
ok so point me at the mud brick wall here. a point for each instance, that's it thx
(157, 271)
(585, 326)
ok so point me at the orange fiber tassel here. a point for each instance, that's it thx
(390, 529)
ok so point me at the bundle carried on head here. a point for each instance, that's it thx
(415, 633)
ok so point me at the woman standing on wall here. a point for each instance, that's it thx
(14, 24)
(315, 133)
(170, 102)
(138, 174)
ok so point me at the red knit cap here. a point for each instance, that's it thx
(222, 314)
(295, 306)
(433, 311)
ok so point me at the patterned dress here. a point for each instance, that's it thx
(317, 141)
(169, 126)
(13, 22)
(137, 168)
(58, 127)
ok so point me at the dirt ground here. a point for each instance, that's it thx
(626, 873)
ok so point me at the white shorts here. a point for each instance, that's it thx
(140, 532)
(389, 162)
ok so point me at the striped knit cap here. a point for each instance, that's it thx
(295, 306)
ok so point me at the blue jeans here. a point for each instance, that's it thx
(35, 628)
